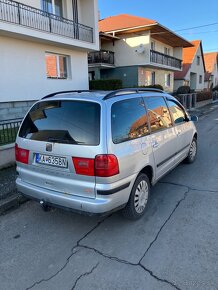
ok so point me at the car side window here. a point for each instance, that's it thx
(128, 120)
(177, 112)
(158, 112)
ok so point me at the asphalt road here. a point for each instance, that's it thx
(174, 246)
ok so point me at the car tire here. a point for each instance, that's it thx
(136, 206)
(192, 152)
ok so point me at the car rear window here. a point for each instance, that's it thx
(67, 122)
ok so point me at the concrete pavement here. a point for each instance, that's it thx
(174, 246)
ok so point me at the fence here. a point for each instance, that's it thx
(21, 14)
(215, 96)
(8, 131)
(188, 100)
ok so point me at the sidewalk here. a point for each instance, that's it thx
(9, 198)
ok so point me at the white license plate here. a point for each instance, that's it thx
(51, 160)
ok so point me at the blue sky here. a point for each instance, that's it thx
(174, 14)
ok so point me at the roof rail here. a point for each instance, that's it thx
(130, 91)
(65, 92)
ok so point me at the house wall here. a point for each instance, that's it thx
(23, 70)
(86, 9)
(159, 46)
(128, 75)
(144, 77)
(133, 76)
(177, 84)
(126, 49)
(198, 70)
(214, 75)
(88, 15)
(177, 52)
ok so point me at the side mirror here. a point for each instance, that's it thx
(194, 118)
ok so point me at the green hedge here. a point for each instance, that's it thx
(106, 85)
(215, 88)
(184, 90)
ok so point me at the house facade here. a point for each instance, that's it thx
(193, 69)
(43, 48)
(211, 75)
(143, 52)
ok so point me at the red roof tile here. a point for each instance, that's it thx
(188, 56)
(123, 21)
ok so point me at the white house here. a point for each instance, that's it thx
(193, 69)
(43, 48)
(139, 51)
(211, 75)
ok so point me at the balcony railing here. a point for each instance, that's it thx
(103, 56)
(161, 58)
(18, 13)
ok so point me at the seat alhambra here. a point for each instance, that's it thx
(97, 152)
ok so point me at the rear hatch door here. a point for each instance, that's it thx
(61, 135)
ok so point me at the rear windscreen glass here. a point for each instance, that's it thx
(67, 122)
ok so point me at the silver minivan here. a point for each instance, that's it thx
(96, 152)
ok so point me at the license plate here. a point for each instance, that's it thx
(51, 160)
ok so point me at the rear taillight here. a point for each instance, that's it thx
(105, 165)
(21, 155)
(84, 166)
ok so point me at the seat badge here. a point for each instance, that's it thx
(48, 147)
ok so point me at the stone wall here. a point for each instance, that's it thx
(14, 110)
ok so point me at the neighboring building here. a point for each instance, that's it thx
(139, 51)
(211, 75)
(193, 69)
(43, 49)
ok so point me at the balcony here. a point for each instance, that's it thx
(27, 16)
(101, 58)
(164, 59)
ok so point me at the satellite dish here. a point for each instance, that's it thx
(140, 49)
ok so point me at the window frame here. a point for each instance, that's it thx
(179, 105)
(200, 79)
(146, 113)
(153, 45)
(153, 78)
(167, 78)
(162, 129)
(58, 55)
(53, 7)
(41, 103)
(198, 60)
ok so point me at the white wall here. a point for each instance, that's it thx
(198, 69)
(144, 77)
(177, 84)
(23, 70)
(125, 49)
(33, 3)
(159, 46)
(177, 52)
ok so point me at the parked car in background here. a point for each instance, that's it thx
(96, 152)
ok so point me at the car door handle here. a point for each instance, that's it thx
(179, 132)
(155, 144)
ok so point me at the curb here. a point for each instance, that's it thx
(13, 201)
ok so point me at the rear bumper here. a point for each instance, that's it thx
(99, 205)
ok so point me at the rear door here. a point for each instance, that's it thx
(163, 135)
(57, 133)
(183, 127)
